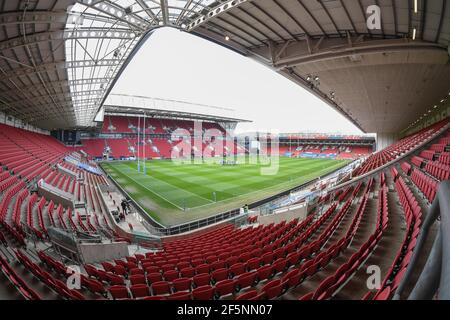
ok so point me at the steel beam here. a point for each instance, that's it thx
(214, 12)
(61, 35)
(32, 17)
(325, 48)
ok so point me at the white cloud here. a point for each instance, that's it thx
(180, 66)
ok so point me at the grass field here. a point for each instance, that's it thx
(207, 189)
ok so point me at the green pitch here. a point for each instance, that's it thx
(174, 194)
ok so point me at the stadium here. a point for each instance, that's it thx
(118, 196)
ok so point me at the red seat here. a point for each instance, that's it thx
(197, 262)
(220, 274)
(167, 267)
(203, 268)
(323, 292)
(237, 269)
(183, 264)
(225, 287)
(307, 296)
(95, 286)
(130, 265)
(139, 290)
(114, 279)
(304, 253)
(211, 259)
(102, 276)
(253, 263)
(280, 265)
(180, 296)
(264, 272)
(155, 298)
(272, 289)
(132, 259)
(120, 262)
(293, 277)
(135, 271)
(91, 271)
(108, 266)
(182, 284)
(384, 294)
(267, 258)
(244, 257)
(154, 277)
(247, 295)
(279, 253)
(293, 258)
(138, 279)
(218, 265)
(150, 268)
(188, 272)
(398, 278)
(120, 270)
(160, 287)
(232, 260)
(201, 279)
(203, 293)
(139, 257)
(119, 292)
(75, 295)
(245, 280)
(171, 275)
(310, 271)
(259, 296)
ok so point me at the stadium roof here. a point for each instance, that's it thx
(60, 58)
(119, 104)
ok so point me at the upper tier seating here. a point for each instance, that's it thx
(122, 124)
(28, 154)
(155, 147)
(390, 153)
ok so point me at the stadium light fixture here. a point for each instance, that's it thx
(316, 78)
(227, 38)
(128, 10)
(435, 107)
(414, 34)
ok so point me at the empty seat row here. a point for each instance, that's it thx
(438, 170)
(413, 218)
(17, 281)
(406, 167)
(428, 154)
(50, 281)
(426, 184)
(417, 161)
(404, 145)
(445, 158)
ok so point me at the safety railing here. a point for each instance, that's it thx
(434, 280)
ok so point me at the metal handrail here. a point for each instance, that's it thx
(434, 279)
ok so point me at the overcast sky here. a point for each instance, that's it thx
(179, 66)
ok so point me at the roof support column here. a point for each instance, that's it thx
(385, 139)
